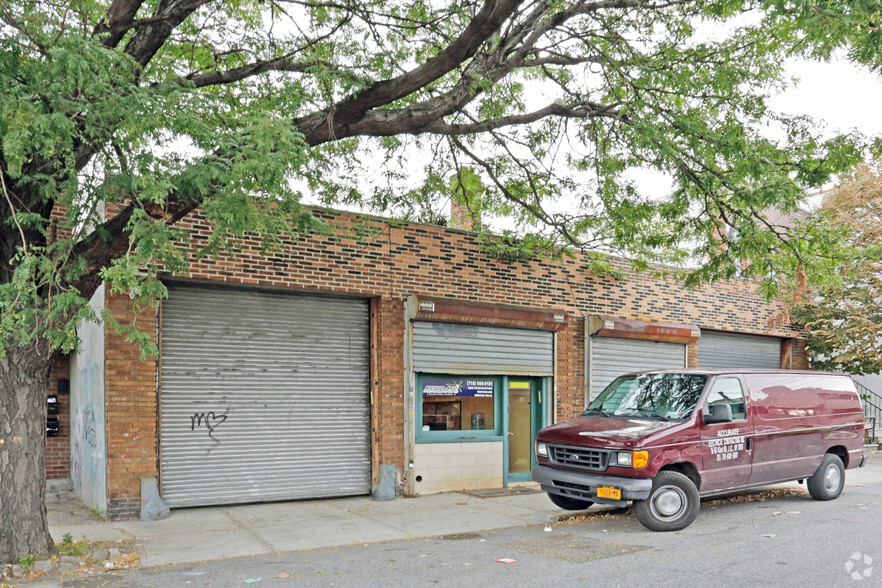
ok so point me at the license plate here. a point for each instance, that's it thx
(608, 492)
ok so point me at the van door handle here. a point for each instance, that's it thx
(749, 443)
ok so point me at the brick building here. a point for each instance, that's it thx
(408, 361)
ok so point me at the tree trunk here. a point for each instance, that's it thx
(24, 381)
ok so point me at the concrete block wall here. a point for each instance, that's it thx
(444, 467)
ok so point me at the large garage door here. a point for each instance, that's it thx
(263, 397)
(612, 356)
(736, 350)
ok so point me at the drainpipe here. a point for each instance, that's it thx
(587, 358)
(410, 311)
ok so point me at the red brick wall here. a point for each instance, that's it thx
(436, 261)
(692, 355)
(390, 359)
(130, 417)
(58, 448)
(570, 369)
(801, 359)
(397, 262)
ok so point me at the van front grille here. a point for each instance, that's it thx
(595, 460)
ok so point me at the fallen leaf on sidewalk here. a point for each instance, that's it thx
(755, 496)
(769, 535)
(506, 560)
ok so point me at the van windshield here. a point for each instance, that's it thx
(652, 396)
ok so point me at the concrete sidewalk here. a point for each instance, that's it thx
(195, 534)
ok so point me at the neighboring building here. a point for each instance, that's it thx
(408, 362)
(872, 381)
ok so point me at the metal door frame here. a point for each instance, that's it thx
(538, 415)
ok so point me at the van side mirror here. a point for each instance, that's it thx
(718, 413)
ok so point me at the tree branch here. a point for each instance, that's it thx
(535, 209)
(119, 19)
(237, 74)
(588, 110)
(24, 241)
(148, 39)
(101, 247)
(332, 123)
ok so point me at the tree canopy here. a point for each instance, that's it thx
(827, 26)
(165, 106)
(844, 320)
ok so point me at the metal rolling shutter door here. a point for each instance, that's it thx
(611, 357)
(281, 383)
(478, 349)
(736, 350)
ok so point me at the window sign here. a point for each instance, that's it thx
(434, 387)
(457, 407)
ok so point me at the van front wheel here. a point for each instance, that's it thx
(828, 480)
(672, 504)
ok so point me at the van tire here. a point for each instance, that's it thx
(828, 480)
(672, 503)
(568, 503)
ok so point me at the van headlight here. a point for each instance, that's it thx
(632, 459)
(541, 449)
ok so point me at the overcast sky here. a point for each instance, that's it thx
(840, 93)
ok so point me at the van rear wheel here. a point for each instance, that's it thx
(828, 480)
(568, 503)
(672, 504)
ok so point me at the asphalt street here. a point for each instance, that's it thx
(783, 539)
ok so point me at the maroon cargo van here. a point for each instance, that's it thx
(663, 439)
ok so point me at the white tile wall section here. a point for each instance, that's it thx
(445, 467)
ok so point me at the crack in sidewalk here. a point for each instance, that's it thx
(251, 532)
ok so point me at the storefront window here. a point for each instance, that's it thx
(457, 404)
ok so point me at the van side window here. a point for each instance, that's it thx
(728, 391)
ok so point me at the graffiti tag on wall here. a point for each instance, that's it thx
(87, 433)
(211, 421)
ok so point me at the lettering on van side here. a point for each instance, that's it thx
(727, 445)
